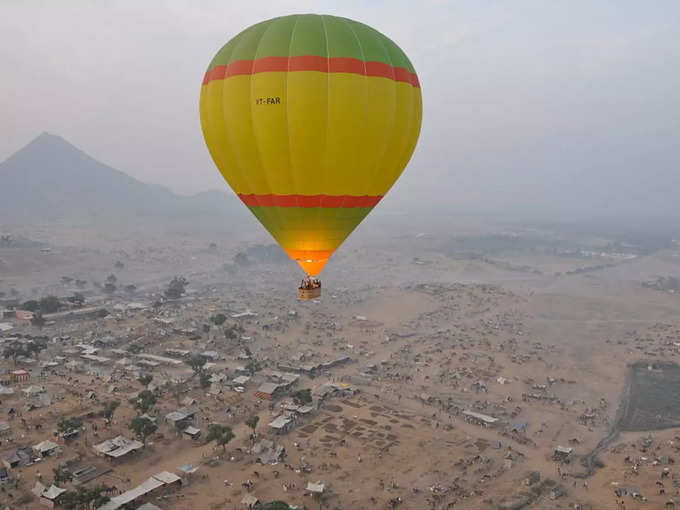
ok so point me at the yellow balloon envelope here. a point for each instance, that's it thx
(310, 119)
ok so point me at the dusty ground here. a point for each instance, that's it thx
(434, 335)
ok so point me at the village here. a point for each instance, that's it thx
(211, 393)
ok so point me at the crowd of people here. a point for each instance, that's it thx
(310, 282)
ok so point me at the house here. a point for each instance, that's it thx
(118, 447)
(33, 390)
(192, 432)
(46, 448)
(241, 380)
(187, 469)
(316, 488)
(267, 391)
(283, 379)
(562, 453)
(49, 496)
(162, 481)
(282, 424)
(181, 418)
(328, 390)
(17, 458)
(5, 428)
(6, 391)
(479, 418)
(23, 315)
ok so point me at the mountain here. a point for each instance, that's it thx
(51, 180)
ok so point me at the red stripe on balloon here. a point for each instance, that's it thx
(312, 63)
(329, 201)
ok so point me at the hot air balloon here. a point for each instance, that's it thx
(310, 119)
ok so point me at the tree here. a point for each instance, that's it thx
(13, 351)
(109, 409)
(196, 362)
(218, 319)
(81, 283)
(302, 397)
(178, 390)
(66, 280)
(49, 304)
(276, 505)
(61, 476)
(84, 499)
(38, 320)
(109, 288)
(253, 366)
(241, 259)
(77, 299)
(119, 265)
(130, 289)
(101, 313)
(34, 347)
(134, 348)
(144, 380)
(221, 434)
(67, 425)
(233, 332)
(176, 287)
(31, 305)
(144, 401)
(112, 278)
(143, 427)
(204, 379)
(252, 422)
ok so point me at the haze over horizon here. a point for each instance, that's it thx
(566, 110)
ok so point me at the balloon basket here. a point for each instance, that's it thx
(309, 293)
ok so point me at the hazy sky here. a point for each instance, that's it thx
(524, 101)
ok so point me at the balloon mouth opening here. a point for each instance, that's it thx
(312, 267)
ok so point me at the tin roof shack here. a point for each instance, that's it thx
(118, 447)
(268, 390)
(316, 488)
(181, 418)
(192, 432)
(562, 454)
(46, 448)
(480, 419)
(241, 380)
(282, 424)
(283, 379)
(19, 457)
(329, 390)
(33, 390)
(162, 482)
(49, 496)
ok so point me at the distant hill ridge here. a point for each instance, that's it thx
(50, 180)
